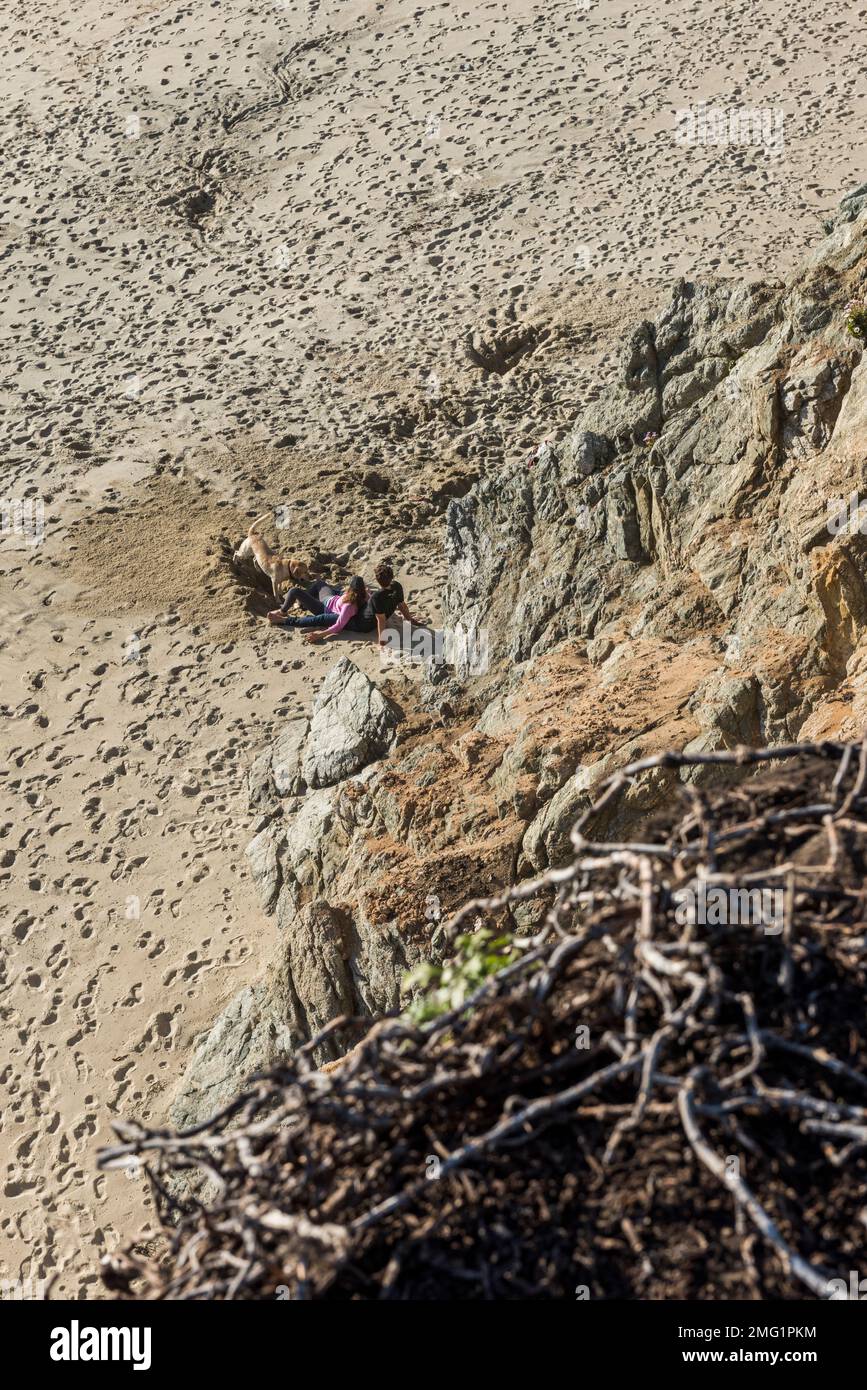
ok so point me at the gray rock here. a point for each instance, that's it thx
(307, 983)
(262, 857)
(633, 404)
(689, 533)
(852, 205)
(728, 710)
(547, 838)
(276, 773)
(587, 452)
(248, 1036)
(352, 725)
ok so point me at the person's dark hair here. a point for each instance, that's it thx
(383, 574)
(356, 592)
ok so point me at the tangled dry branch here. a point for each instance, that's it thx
(654, 1100)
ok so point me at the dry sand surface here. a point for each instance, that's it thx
(336, 258)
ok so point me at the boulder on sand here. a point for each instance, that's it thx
(352, 725)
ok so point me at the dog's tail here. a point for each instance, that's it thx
(254, 525)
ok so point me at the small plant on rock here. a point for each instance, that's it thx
(856, 319)
(478, 955)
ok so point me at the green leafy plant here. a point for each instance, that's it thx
(478, 955)
(856, 319)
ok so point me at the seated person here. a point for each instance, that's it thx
(385, 601)
(326, 606)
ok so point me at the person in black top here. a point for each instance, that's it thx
(383, 603)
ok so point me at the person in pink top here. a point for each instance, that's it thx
(328, 610)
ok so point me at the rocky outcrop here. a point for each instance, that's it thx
(354, 877)
(664, 575)
(277, 772)
(305, 985)
(352, 725)
(687, 511)
(716, 526)
(326, 962)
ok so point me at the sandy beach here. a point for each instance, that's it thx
(334, 261)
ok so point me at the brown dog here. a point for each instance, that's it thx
(278, 568)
